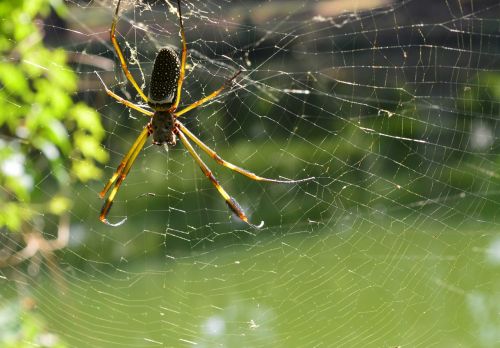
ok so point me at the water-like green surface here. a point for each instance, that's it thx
(351, 285)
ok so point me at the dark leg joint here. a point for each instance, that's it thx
(230, 81)
(104, 213)
(212, 178)
(218, 159)
(236, 209)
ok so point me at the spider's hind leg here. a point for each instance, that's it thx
(124, 101)
(182, 71)
(209, 97)
(120, 55)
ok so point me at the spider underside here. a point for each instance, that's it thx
(164, 98)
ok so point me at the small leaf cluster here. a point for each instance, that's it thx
(48, 140)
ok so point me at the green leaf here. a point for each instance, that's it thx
(89, 147)
(13, 79)
(88, 119)
(85, 170)
(59, 204)
(12, 215)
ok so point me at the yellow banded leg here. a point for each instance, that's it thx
(120, 175)
(231, 166)
(183, 61)
(231, 202)
(119, 52)
(208, 97)
(124, 101)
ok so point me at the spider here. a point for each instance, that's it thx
(164, 98)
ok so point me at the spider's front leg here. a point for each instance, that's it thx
(120, 175)
(230, 201)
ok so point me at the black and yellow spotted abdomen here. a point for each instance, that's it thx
(164, 79)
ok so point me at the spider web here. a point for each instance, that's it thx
(392, 106)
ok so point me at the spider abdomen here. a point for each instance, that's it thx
(162, 127)
(164, 78)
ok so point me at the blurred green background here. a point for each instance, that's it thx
(393, 107)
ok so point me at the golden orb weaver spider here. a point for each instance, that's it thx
(164, 97)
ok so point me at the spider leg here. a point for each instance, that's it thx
(183, 60)
(119, 52)
(208, 97)
(121, 174)
(231, 166)
(231, 202)
(124, 101)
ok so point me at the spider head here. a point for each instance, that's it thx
(162, 127)
(164, 79)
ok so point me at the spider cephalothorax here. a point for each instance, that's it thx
(164, 97)
(163, 128)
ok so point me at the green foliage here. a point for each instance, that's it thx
(45, 133)
(23, 327)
